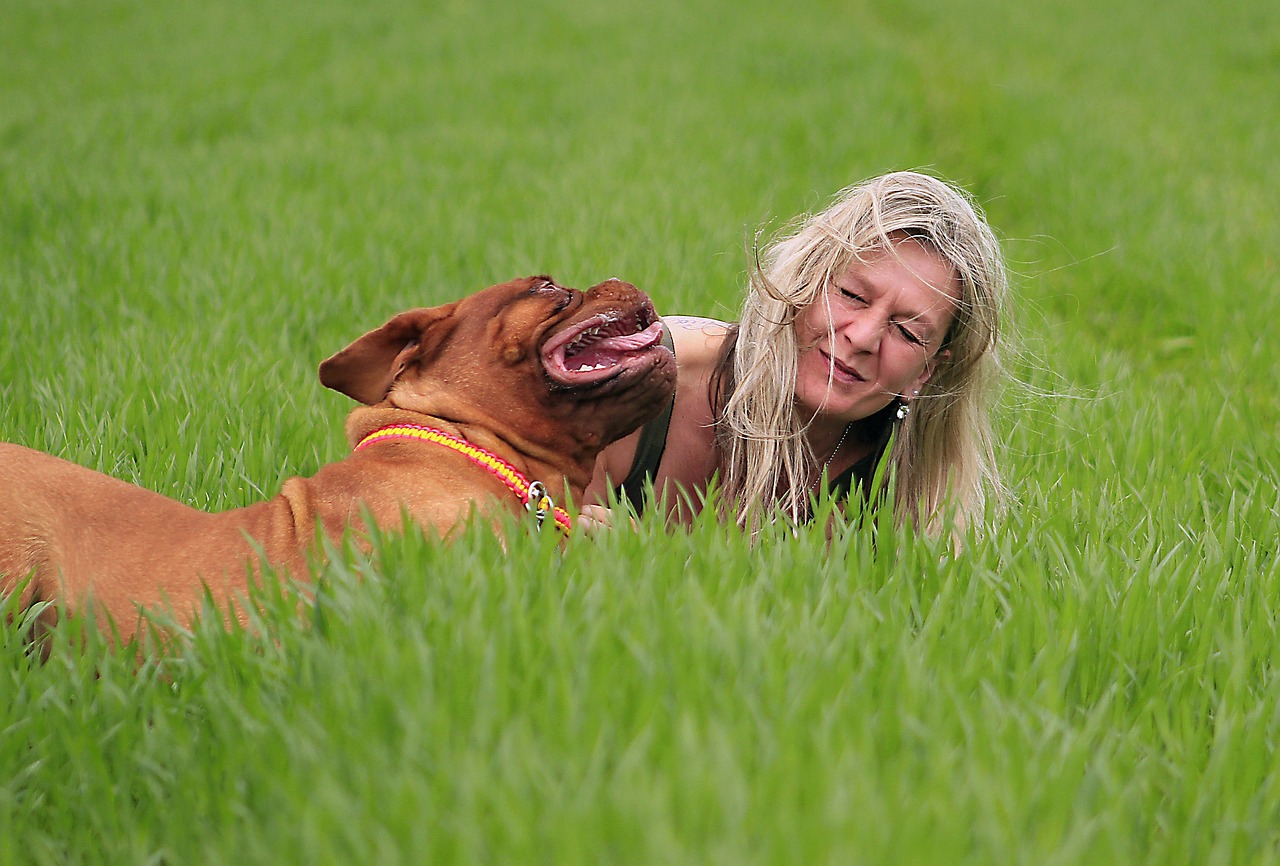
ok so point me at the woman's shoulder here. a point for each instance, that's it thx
(698, 340)
(700, 345)
(697, 324)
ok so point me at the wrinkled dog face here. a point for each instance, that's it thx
(588, 364)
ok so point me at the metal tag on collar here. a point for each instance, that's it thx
(540, 503)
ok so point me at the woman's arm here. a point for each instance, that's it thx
(612, 466)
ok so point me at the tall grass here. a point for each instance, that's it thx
(198, 202)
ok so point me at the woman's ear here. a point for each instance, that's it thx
(366, 370)
(930, 366)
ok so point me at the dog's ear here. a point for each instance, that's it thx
(367, 369)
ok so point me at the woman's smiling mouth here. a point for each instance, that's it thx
(840, 371)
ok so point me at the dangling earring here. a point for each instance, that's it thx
(904, 408)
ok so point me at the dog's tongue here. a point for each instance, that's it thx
(596, 354)
(607, 351)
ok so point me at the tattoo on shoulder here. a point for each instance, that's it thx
(710, 327)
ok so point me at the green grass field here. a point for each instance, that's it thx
(200, 201)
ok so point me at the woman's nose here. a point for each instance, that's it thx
(863, 331)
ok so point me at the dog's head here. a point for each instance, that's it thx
(542, 365)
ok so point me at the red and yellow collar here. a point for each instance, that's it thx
(532, 494)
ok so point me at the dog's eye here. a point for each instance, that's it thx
(550, 290)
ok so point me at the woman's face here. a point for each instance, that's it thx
(889, 315)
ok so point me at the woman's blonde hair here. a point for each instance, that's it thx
(942, 458)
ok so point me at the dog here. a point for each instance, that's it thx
(499, 401)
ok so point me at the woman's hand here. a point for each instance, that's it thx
(593, 519)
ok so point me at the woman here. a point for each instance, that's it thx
(874, 326)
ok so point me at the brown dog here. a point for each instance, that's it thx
(467, 404)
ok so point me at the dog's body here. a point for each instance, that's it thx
(540, 376)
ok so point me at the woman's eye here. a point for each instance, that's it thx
(910, 336)
(853, 296)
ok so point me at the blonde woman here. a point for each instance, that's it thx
(875, 325)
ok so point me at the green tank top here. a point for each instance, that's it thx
(649, 449)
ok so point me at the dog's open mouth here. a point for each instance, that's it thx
(602, 346)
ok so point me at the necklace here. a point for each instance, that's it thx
(834, 452)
